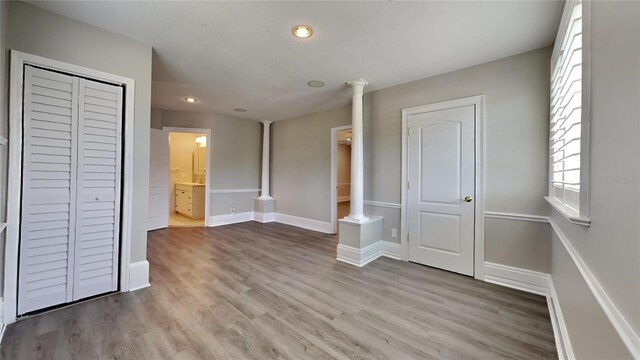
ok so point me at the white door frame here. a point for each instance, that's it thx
(14, 188)
(478, 101)
(207, 173)
(334, 175)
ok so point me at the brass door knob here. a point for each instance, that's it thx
(468, 199)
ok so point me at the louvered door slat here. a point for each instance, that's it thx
(48, 189)
(99, 164)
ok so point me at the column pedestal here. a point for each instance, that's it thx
(360, 241)
(264, 210)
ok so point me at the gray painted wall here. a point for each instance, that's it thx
(516, 128)
(156, 118)
(516, 90)
(516, 120)
(301, 163)
(40, 32)
(523, 244)
(611, 245)
(235, 150)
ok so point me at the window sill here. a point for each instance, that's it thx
(573, 216)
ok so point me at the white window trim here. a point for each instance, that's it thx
(578, 217)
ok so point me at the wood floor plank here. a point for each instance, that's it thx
(272, 291)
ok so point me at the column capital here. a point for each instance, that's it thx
(358, 84)
(267, 122)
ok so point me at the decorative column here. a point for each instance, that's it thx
(266, 138)
(357, 153)
(264, 205)
(360, 238)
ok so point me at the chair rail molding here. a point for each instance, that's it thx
(382, 204)
(515, 216)
(232, 191)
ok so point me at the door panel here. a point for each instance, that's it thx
(441, 151)
(48, 190)
(158, 217)
(98, 217)
(440, 232)
(441, 173)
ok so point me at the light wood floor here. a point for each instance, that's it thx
(271, 291)
(176, 219)
(343, 209)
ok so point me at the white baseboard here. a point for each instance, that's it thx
(359, 257)
(390, 250)
(3, 325)
(344, 198)
(139, 275)
(309, 224)
(264, 217)
(560, 332)
(226, 219)
(517, 278)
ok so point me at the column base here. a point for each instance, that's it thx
(264, 209)
(356, 218)
(360, 240)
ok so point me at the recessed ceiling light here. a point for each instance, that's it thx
(349, 139)
(316, 83)
(302, 31)
(190, 99)
(240, 110)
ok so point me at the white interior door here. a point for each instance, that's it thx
(98, 189)
(158, 180)
(70, 213)
(441, 166)
(48, 190)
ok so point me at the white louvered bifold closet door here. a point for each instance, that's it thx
(97, 224)
(48, 190)
(69, 240)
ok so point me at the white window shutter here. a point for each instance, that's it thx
(566, 109)
(48, 190)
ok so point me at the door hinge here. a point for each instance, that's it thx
(409, 131)
(407, 237)
(408, 184)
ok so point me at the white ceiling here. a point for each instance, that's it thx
(242, 54)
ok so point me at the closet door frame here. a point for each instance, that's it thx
(14, 190)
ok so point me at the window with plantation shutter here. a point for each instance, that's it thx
(566, 128)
